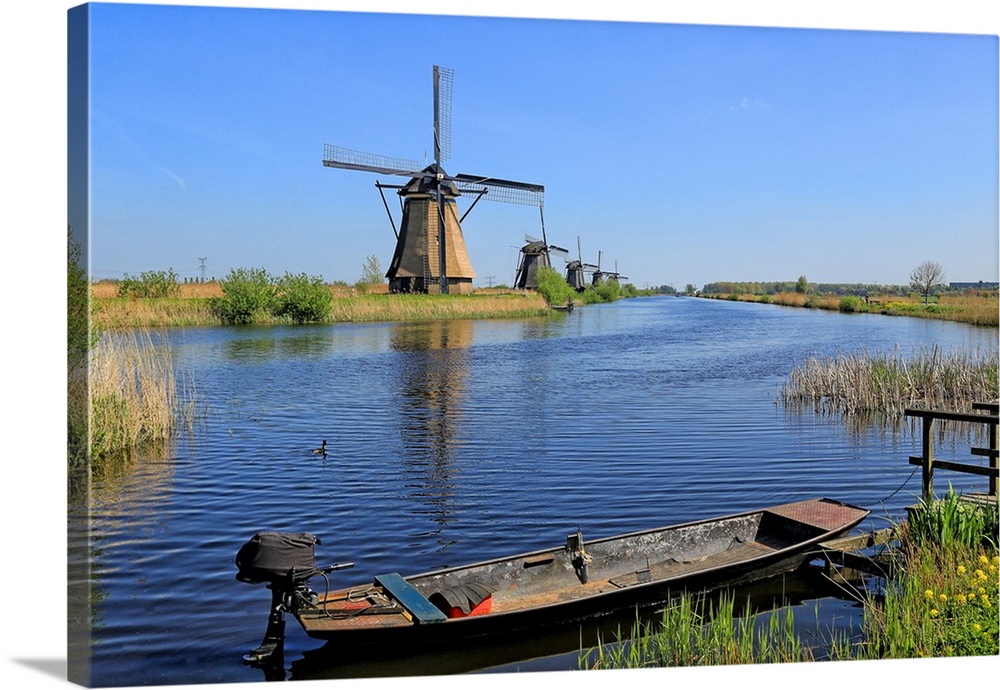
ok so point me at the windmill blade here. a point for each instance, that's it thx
(531, 238)
(507, 191)
(443, 78)
(349, 159)
(559, 251)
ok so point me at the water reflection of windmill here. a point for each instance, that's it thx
(576, 270)
(534, 254)
(431, 399)
(430, 253)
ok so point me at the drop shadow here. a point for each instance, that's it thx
(57, 668)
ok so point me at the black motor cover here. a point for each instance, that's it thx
(277, 557)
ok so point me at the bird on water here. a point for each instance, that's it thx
(321, 450)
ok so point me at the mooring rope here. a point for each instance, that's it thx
(882, 501)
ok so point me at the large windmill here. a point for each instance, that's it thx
(430, 253)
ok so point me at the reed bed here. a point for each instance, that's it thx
(883, 385)
(134, 395)
(121, 313)
(431, 307)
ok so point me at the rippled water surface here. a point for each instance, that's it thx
(452, 442)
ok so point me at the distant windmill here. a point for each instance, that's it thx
(430, 253)
(600, 275)
(576, 270)
(534, 255)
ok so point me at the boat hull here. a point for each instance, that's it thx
(547, 589)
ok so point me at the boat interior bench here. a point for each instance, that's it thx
(422, 610)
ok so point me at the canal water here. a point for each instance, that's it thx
(452, 442)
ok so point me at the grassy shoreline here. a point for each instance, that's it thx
(974, 309)
(193, 307)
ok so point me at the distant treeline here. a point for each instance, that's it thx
(774, 288)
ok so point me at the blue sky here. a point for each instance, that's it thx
(683, 153)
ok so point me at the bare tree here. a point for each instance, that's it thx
(925, 276)
(371, 271)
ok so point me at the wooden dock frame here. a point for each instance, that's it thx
(844, 563)
(844, 560)
(984, 413)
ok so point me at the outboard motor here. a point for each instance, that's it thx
(284, 561)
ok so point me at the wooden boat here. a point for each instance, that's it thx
(541, 589)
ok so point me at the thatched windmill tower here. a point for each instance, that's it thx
(430, 253)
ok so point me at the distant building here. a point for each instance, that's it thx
(981, 285)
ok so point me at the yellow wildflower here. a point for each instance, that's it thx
(960, 598)
(983, 559)
(977, 627)
(942, 597)
(972, 595)
(929, 593)
(980, 575)
(961, 570)
(982, 590)
(934, 613)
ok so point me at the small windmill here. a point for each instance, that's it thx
(534, 254)
(430, 254)
(576, 270)
(600, 275)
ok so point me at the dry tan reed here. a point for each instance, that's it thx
(886, 384)
(134, 394)
(431, 307)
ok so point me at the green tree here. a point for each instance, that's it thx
(79, 336)
(802, 285)
(925, 276)
(690, 289)
(80, 339)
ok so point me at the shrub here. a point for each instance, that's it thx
(852, 305)
(950, 520)
(248, 294)
(150, 284)
(609, 290)
(303, 298)
(550, 284)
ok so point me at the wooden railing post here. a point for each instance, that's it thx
(994, 461)
(927, 458)
(991, 451)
